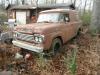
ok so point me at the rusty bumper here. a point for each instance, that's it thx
(27, 46)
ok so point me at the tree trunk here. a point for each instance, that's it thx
(54, 1)
(90, 5)
(23, 2)
(71, 1)
(80, 7)
(74, 2)
(95, 22)
(85, 6)
(17, 2)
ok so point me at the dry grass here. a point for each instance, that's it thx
(87, 59)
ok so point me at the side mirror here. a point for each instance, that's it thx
(67, 19)
(15, 24)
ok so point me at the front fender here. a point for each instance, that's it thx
(50, 37)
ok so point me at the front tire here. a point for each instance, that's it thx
(55, 46)
(8, 41)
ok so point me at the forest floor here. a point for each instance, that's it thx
(87, 59)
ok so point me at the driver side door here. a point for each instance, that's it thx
(67, 29)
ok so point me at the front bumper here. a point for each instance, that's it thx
(20, 44)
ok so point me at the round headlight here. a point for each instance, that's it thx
(38, 38)
(15, 35)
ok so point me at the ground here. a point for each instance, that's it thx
(87, 59)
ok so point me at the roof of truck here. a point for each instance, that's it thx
(58, 10)
(45, 6)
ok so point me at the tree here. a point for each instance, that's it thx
(74, 2)
(23, 2)
(3, 2)
(85, 6)
(17, 2)
(90, 5)
(95, 21)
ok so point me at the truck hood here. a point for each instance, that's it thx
(37, 28)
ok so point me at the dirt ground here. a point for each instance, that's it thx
(87, 59)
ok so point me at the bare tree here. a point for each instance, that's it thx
(90, 5)
(17, 2)
(79, 6)
(95, 22)
(85, 6)
(3, 2)
(23, 2)
(11, 1)
(31, 1)
(55, 1)
(74, 2)
(71, 1)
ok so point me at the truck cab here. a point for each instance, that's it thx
(53, 28)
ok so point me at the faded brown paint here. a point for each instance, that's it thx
(65, 30)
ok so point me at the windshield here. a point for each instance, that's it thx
(48, 17)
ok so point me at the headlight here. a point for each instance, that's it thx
(15, 35)
(38, 38)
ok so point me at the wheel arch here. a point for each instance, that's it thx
(59, 37)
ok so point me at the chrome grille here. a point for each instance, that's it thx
(25, 37)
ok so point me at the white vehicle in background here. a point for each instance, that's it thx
(7, 37)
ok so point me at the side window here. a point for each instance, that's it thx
(64, 18)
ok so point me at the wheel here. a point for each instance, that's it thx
(8, 41)
(55, 46)
(79, 31)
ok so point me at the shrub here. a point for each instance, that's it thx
(71, 62)
(3, 18)
(86, 18)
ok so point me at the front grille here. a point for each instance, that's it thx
(25, 37)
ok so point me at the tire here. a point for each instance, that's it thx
(8, 41)
(79, 31)
(55, 46)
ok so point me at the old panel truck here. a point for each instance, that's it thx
(53, 28)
